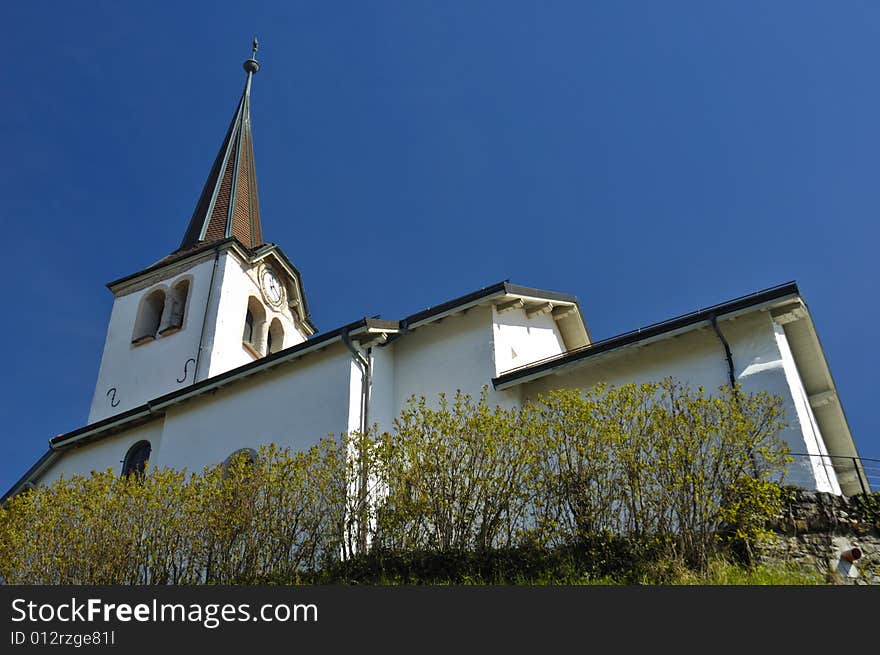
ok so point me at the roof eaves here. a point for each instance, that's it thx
(517, 290)
(419, 317)
(175, 258)
(45, 460)
(501, 288)
(541, 367)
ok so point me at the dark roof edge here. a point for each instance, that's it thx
(655, 329)
(517, 290)
(258, 251)
(455, 302)
(23, 480)
(379, 324)
(486, 292)
(176, 257)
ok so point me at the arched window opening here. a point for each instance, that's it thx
(242, 457)
(248, 335)
(146, 325)
(175, 308)
(254, 333)
(249, 454)
(275, 338)
(136, 459)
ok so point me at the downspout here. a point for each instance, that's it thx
(364, 364)
(731, 376)
(205, 317)
(727, 354)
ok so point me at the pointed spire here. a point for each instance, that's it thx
(229, 205)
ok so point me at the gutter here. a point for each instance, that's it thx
(364, 363)
(33, 473)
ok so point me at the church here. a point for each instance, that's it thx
(211, 351)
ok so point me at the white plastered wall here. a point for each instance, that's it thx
(106, 453)
(293, 405)
(382, 390)
(697, 358)
(520, 340)
(132, 374)
(455, 353)
(820, 467)
(233, 285)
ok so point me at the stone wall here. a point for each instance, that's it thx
(819, 532)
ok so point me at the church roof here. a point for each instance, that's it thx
(228, 205)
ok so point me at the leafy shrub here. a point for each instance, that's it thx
(619, 482)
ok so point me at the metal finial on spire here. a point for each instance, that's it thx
(251, 65)
(228, 205)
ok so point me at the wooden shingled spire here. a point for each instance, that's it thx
(228, 205)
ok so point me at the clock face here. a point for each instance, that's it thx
(272, 288)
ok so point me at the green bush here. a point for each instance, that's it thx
(625, 483)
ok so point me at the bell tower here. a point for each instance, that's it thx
(223, 299)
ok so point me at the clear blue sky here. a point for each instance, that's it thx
(650, 157)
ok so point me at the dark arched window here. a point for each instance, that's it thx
(254, 333)
(248, 334)
(150, 315)
(248, 456)
(175, 308)
(275, 337)
(136, 459)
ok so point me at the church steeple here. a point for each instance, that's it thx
(223, 299)
(229, 205)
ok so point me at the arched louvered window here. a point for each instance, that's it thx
(149, 316)
(136, 459)
(254, 333)
(175, 308)
(249, 454)
(275, 337)
(246, 456)
(248, 334)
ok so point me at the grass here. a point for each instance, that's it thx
(723, 572)
(719, 572)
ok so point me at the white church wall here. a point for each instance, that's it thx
(818, 466)
(382, 398)
(454, 353)
(292, 405)
(520, 340)
(697, 358)
(104, 454)
(132, 374)
(233, 285)
(355, 397)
